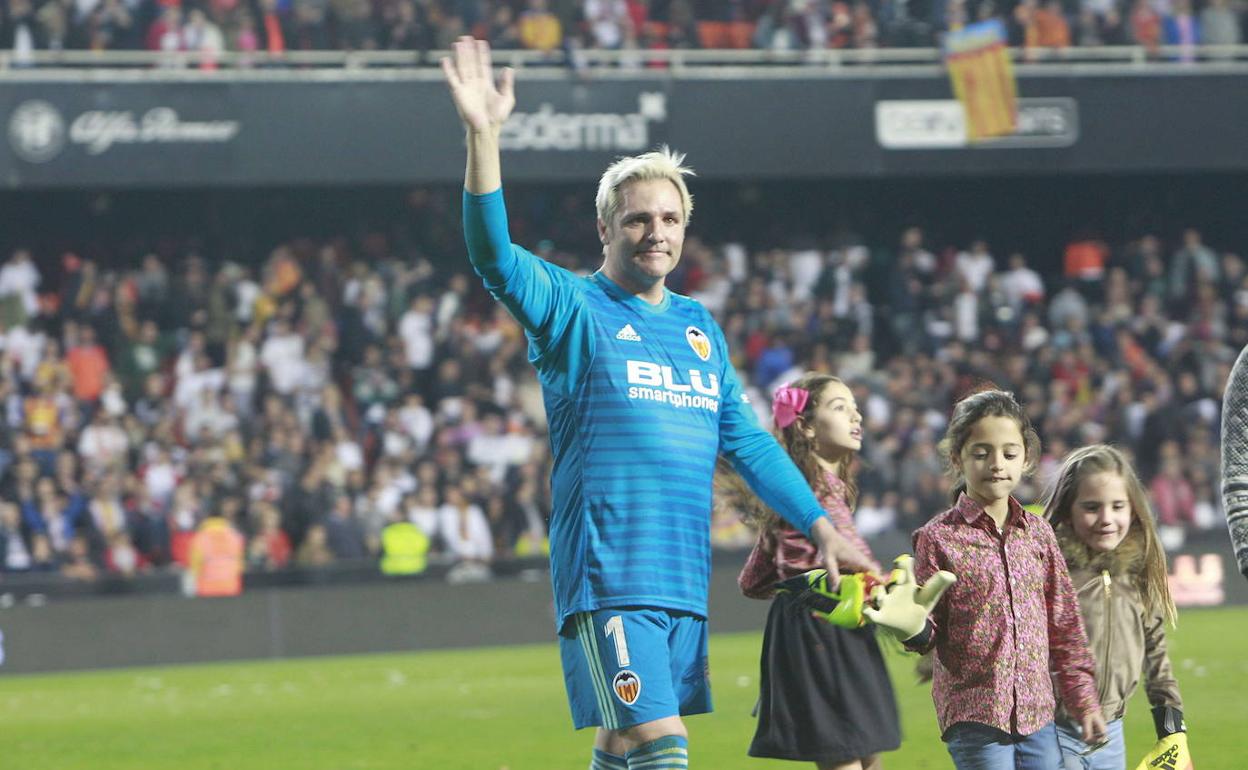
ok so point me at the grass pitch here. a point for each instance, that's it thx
(489, 709)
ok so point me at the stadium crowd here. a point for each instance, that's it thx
(315, 395)
(274, 27)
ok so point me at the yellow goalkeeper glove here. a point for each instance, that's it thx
(1169, 753)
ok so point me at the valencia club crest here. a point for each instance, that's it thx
(700, 343)
(627, 686)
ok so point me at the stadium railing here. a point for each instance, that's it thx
(709, 63)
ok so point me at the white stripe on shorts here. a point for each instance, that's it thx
(602, 691)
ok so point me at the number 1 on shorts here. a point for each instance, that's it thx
(615, 629)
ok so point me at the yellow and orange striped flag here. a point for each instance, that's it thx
(983, 79)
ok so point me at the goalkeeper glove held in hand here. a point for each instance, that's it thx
(841, 606)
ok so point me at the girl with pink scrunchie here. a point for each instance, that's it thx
(825, 694)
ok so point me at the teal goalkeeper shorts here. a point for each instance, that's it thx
(628, 665)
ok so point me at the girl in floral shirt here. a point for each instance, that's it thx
(825, 693)
(1012, 615)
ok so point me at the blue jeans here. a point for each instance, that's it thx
(1111, 757)
(979, 747)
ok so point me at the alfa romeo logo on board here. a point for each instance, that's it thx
(36, 131)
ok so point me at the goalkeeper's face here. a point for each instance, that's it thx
(643, 242)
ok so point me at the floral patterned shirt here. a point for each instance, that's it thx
(1010, 616)
(783, 552)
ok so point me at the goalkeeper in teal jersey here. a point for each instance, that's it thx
(640, 398)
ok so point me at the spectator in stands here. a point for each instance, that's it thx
(314, 551)
(407, 26)
(19, 280)
(539, 28)
(463, 526)
(1181, 28)
(274, 28)
(203, 37)
(120, 557)
(15, 551)
(53, 513)
(1048, 27)
(1172, 493)
(282, 356)
(166, 32)
(1219, 24)
(344, 533)
(22, 32)
(76, 563)
(500, 28)
(1146, 26)
(1193, 263)
(311, 26)
(217, 555)
(355, 28)
(87, 362)
(102, 444)
(1023, 286)
(404, 547)
(975, 265)
(108, 25)
(607, 21)
(270, 547)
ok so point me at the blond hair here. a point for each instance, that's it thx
(663, 163)
(1059, 506)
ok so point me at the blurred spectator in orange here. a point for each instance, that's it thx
(216, 558)
(87, 362)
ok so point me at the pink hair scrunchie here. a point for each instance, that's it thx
(787, 404)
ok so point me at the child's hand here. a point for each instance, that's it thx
(840, 605)
(823, 533)
(1094, 728)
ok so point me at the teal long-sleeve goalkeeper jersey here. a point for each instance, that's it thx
(639, 399)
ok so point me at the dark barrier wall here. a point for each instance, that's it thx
(273, 623)
(387, 616)
(138, 132)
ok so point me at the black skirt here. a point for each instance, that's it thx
(825, 692)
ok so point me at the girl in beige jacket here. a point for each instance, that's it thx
(1104, 525)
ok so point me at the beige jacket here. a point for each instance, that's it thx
(1126, 641)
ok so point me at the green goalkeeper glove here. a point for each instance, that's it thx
(841, 606)
(901, 606)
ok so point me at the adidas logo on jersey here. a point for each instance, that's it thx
(628, 334)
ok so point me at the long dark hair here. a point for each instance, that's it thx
(987, 402)
(731, 490)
